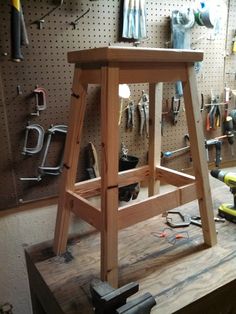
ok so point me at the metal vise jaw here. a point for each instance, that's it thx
(107, 300)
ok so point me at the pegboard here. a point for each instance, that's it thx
(45, 64)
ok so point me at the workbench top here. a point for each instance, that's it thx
(133, 55)
(185, 274)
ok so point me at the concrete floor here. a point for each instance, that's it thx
(26, 228)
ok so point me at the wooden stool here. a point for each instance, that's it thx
(110, 67)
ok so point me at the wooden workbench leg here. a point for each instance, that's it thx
(109, 174)
(194, 122)
(155, 119)
(71, 156)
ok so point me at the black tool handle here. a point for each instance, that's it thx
(218, 153)
(16, 31)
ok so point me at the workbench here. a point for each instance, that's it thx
(184, 278)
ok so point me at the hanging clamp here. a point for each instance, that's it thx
(40, 100)
(40, 131)
(43, 169)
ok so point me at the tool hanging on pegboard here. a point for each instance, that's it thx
(130, 115)
(40, 100)
(143, 106)
(43, 168)
(175, 109)
(213, 118)
(19, 36)
(32, 129)
(134, 19)
(181, 23)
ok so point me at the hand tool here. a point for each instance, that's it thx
(181, 23)
(217, 143)
(202, 102)
(187, 142)
(169, 154)
(40, 132)
(52, 170)
(18, 31)
(143, 106)
(107, 300)
(229, 132)
(184, 221)
(40, 100)
(228, 211)
(49, 170)
(130, 115)
(175, 107)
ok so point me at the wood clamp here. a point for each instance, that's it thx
(30, 128)
(107, 300)
(43, 169)
(40, 100)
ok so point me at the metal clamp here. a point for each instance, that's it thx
(43, 169)
(40, 100)
(130, 115)
(40, 131)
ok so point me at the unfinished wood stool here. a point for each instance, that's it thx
(110, 67)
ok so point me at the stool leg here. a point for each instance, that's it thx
(72, 149)
(109, 174)
(194, 122)
(154, 152)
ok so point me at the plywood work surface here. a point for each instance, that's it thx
(175, 274)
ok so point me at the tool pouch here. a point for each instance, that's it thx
(131, 191)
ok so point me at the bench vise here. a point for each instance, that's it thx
(107, 300)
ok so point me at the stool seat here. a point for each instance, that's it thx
(109, 67)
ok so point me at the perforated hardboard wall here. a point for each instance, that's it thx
(45, 64)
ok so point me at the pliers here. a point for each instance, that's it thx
(175, 107)
(130, 115)
(143, 106)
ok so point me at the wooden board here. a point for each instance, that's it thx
(177, 275)
(133, 54)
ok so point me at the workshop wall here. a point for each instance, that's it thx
(45, 65)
